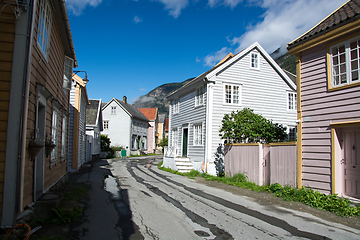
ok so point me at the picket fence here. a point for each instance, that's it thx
(263, 163)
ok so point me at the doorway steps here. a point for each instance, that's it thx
(183, 164)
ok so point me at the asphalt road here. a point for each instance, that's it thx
(133, 199)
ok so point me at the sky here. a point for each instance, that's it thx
(130, 47)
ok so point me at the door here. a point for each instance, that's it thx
(185, 142)
(352, 163)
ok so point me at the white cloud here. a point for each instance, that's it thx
(212, 59)
(137, 19)
(228, 3)
(284, 21)
(76, 7)
(142, 89)
(174, 6)
(197, 60)
(144, 99)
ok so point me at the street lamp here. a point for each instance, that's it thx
(85, 80)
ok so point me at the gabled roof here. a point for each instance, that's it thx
(150, 113)
(93, 112)
(131, 110)
(229, 60)
(348, 12)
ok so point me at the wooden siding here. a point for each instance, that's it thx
(71, 126)
(82, 128)
(263, 90)
(48, 73)
(186, 118)
(320, 108)
(263, 164)
(7, 36)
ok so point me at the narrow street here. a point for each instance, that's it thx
(143, 202)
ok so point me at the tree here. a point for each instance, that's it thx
(247, 126)
(163, 142)
(105, 146)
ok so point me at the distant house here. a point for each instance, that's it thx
(250, 79)
(125, 125)
(94, 126)
(160, 130)
(153, 116)
(166, 127)
(37, 60)
(77, 124)
(328, 70)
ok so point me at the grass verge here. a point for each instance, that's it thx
(333, 203)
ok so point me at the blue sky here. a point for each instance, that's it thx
(129, 47)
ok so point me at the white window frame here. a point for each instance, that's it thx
(68, 72)
(113, 110)
(198, 134)
(291, 101)
(229, 97)
(55, 134)
(255, 60)
(343, 69)
(176, 106)
(199, 97)
(106, 124)
(63, 137)
(174, 137)
(44, 28)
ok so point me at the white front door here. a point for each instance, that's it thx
(352, 162)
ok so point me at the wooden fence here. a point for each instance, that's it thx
(263, 163)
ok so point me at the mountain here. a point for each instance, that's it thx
(285, 61)
(156, 98)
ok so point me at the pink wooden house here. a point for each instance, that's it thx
(328, 101)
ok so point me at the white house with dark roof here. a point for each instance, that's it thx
(125, 125)
(94, 126)
(250, 79)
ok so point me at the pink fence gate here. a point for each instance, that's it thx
(263, 163)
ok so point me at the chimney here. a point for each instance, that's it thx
(124, 99)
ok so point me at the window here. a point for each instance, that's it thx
(232, 94)
(68, 72)
(106, 124)
(176, 106)
(54, 134)
(291, 101)
(174, 137)
(44, 28)
(63, 137)
(254, 61)
(199, 98)
(345, 62)
(113, 110)
(292, 133)
(198, 135)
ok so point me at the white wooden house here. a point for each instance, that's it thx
(249, 79)
(94, 126)
(125, 125)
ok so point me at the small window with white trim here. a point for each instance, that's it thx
(345, 62)
(44, 28)
(54, 134)
(254, 60)
(106, 124)
(176, 106)
(232, 94)
(174, 137)
(199, 98)
(63, 137)
(292, 101)
(198, 133)
(113, 110)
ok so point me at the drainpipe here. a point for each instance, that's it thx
(25, 106)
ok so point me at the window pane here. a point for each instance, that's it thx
(335, 60)
(342, 49)
(343, 78)
(227, 93)
(355, 76)
(353, 44)
(342, 58)
(342, 68)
